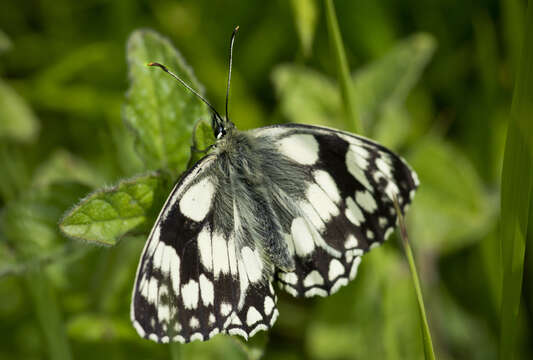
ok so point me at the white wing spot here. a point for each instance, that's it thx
(388, 233)
(194, 323)
(353, 212)
(289, 278)
(313, 278)
(140, 329)
(220, 255)
(369, 234)
(303, 240)
(197, 336)
(321, 202)
(355, 266)
(189, 294)
(335, 269)
(253, 316)
(152, 290)
(214, 332)
(269, 305)
(204, 248)
(316, 292)
(196, 201)
(157, 257)
(382, 221)
(258, 328)
(237, 331)
(252, 263)
(384, 167)
(354, 167)
(302, 148)
(206, 290)
(212, 320)
(366, 200)
(360, 156)
(312, 215)
(327, 184)
(225, 309)
(338, 284)
(235, 320)
(351, 242)
(274, 317)
(243, 281)
(291, 290)
(392, 190)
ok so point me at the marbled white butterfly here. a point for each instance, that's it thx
(293, 204)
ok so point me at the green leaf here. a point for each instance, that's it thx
(108, 214)
(17, 121)
(305, 17)
(451, 198)
(158, 109)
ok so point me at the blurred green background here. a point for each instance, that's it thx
(433, 80)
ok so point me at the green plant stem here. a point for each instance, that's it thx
(426, 335)
(517, 183)
(345, 79)
(48, 314)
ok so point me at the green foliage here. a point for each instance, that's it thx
(107, 215)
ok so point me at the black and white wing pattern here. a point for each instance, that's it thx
(192, 281)
(343, 206)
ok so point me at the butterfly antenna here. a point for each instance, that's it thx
(230, 64)
(165, 69)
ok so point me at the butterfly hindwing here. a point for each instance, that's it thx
(344, 208)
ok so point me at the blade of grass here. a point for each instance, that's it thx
(426, 335)
(48, 314)
(342, 68)
(175, 351)
(517, 182)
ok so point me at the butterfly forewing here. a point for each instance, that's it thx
(193, 282)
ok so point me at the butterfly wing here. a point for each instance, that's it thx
(192, 282)
(345, 204)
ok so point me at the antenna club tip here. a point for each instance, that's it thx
(236, 28)
(152, 63)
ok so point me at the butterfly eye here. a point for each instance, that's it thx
(220, 132)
